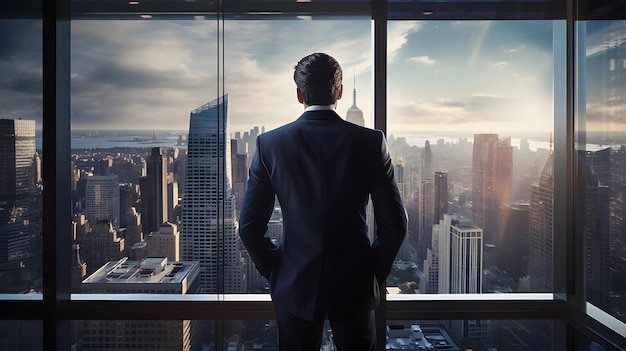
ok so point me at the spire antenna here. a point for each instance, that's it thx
(354, 88)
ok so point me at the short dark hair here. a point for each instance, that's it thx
(318, 77)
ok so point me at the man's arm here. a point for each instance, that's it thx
(258, 204)
(391, 217)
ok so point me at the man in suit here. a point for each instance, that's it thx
(323, 169)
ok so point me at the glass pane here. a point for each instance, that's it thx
(470, 128)
(135, 85)
(470, 335)
(20, 157)
(601, 147)
(174, 335)
(453, 335)
(21, 335)
(262, 93)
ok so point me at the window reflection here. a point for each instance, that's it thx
(602, 163)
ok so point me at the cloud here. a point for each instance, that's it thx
(515, 49)
(422, 59)
(397, 34)
(606, 115)
(21, 79)
(452, 111)
(499, 64)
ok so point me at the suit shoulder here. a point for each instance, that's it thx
(277, 132)
(372, 133)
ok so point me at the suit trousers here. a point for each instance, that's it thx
(356, 334)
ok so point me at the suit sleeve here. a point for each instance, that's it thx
(391, 217)
(257, 207)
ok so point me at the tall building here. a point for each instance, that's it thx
(102, 199)
(441, 195)
(429, 281)
(511, 239)
(426, 169)
(154, 191)
(240, 170)
(20, 212)
(426, 210)
(492, 180)
(209, 225)
(541, 230)
(354, 113)
(460, 256)
(151, 275)
(17, 153)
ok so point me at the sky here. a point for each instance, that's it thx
(453, 76)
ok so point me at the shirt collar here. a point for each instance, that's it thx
(319, 108)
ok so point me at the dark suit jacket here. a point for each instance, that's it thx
(323, 169)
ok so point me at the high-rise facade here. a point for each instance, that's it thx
(441, 195)
(17, 153)
(209, 225)
(492, 179)
(426, 210)
(154, 191)
(511, 239)
(541, 230)
(239, 163)
(20, 213)
(460, 256)
(102, 199)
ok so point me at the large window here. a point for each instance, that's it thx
(470, 128)
(503, 119)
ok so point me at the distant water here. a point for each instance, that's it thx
(135, 139)
(107, 142)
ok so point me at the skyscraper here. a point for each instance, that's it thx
(426, 170)
(102, 200)
(154, 192)
(17, 153)
(492, 178)
(441, 195)
(541, 230)
(511, 239)
(20, 216)
(209, 226)
(426, 210)
(354, 114)
(240, 170)
(460, 256)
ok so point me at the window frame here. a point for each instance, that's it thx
(58, 308)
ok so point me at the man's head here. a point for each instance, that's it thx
(318, 78)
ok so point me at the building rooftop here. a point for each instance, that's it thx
(152, 270)
(415, 337)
